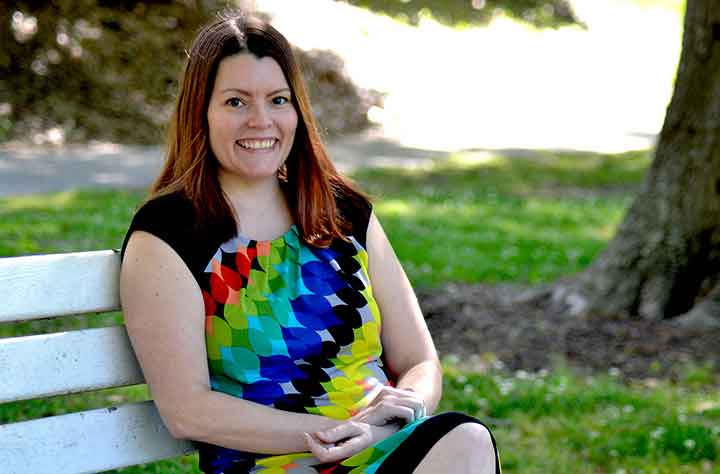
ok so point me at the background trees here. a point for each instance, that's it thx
(95, 69)
(665, 258)
(108, 69)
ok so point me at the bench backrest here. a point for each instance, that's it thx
(71, 362)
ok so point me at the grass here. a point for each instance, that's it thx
(471, 218)
(494, 218)
(563, 422)
(475, 217)
(556, 421)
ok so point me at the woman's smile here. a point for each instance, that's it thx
(251, 118)
(257, 144)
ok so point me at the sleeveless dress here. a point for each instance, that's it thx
(293, 327)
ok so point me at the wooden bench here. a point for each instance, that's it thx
(39, 366)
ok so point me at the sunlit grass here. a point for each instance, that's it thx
(562, 422)
(494, 218)
(476, 217)
(31, 409)
(64, 222)
(497, 238)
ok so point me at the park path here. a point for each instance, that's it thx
(29, 169)
(502, 87)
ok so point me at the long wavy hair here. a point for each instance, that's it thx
(311, 183)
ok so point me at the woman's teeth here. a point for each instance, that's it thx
(257, 144)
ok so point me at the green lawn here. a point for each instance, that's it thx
(492, 218)
(471, 218)
(475, 217)
(563, 423)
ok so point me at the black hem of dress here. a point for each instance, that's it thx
(408, 456)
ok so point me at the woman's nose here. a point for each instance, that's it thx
(259, 117)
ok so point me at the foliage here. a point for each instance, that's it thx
(108, 70)
(94, 69)
(339, 105)
(541, 13)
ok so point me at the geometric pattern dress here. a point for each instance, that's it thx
(293, 327)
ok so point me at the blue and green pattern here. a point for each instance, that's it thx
(296, 328)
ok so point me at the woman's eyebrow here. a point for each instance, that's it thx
(244, 92)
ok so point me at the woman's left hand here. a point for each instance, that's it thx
(390, 405)
(345, 440)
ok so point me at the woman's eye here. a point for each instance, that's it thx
(280, 100)
(234, 102)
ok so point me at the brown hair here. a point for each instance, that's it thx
(310, 181)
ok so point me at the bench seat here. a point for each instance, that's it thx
(45, 365)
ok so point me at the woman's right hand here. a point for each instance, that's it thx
(391, 405)
(345, 440)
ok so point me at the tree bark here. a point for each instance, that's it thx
(665, 256)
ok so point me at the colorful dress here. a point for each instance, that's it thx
(293, 327)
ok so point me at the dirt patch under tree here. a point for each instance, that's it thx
(527, 330)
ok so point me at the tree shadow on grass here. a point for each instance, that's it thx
(517, 172)
(503, 216)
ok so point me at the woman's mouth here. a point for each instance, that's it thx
(257, 144)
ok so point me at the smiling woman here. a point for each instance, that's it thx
(270, 315)
(251, 118)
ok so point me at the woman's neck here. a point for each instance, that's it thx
(260, 207)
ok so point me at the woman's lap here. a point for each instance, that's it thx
(398, 454)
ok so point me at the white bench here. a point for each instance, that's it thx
(40, 366)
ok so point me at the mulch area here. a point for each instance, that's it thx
(530, 332)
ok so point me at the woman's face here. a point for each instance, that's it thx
(251, 117)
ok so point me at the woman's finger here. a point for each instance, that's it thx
(386, 412)
(397, 397)
(339, 433)
(406, 396)
(320, 450)
(331, 452)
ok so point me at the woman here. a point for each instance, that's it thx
(262, 297)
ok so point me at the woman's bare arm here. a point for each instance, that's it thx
(165, 318)
(408, 349)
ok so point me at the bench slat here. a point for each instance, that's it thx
(43, 286)
(67, 362)
(88, 442)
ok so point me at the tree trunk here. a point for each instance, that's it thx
(665, 257)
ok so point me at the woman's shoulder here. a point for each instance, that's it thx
(168, 217)
(355, 210)
(172, 219)
(165, 206)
